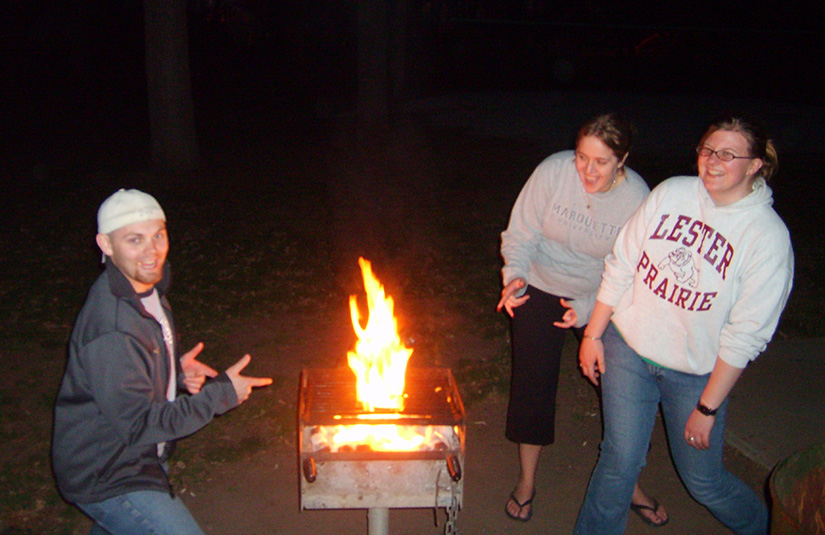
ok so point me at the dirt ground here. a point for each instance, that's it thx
(261, 495)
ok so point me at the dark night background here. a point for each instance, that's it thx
(295, 183)
(75, 90)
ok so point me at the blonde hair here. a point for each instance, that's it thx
(759, 146)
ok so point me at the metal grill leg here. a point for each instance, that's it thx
(379, 521)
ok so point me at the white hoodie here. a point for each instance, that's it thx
(690, 281)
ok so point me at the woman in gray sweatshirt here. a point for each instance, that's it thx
(562, 226)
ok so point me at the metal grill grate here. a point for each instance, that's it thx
(328, 397)
(361, 478)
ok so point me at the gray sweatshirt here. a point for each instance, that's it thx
(558, 234)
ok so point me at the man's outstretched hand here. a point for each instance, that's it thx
(242, 383)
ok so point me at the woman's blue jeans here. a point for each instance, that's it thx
(632, 389)
(145, 512)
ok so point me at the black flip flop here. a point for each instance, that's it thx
(639, 508)
(521, 506)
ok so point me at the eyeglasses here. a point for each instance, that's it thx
(722, 155)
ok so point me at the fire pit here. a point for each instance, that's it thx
(355, 474)
(399, 448)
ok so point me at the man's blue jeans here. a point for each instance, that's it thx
(145, 512)
(632, 389)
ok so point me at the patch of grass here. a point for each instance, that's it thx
(477, 379)
(264, 420)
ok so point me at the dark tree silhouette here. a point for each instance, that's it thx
(381, 37)
(174, 145)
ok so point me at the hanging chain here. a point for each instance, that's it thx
(450, 527)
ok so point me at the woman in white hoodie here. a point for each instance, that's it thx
(691, 293)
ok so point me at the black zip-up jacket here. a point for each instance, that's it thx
(111, 411)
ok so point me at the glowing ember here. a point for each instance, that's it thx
(379, 359)
(382, 437)
(379, 437)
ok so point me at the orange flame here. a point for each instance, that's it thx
(379, 359)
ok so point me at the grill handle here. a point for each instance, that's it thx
(310, 472)
(454, 468)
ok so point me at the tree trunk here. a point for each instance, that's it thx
(381, 37)
(373, 51)
(174, 144)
